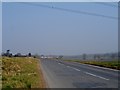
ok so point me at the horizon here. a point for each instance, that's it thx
(62, 54)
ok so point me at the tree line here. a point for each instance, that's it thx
(8, 54)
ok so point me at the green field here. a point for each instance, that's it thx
(109, 64)
(21, 72)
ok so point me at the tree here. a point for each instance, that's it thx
(29, 55)
(18, 55)
(7, 52)
(3, 54)
(10, 55)
(37, 56)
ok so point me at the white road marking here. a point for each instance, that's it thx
(97, 66)
(73, 68)
(60, 63)
(68, 66)
(96, 76)
(76, 69)
(104, 68)
(86, 72)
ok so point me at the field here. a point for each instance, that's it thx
(21, 72)
(109, 64)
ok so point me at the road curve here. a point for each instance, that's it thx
(60, 74)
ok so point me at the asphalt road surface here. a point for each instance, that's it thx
(60, 74)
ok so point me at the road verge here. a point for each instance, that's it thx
(21, 72)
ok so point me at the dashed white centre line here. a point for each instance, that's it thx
(73, 68)
(85, 72)
(60, 63)
(76, 69)
(96, 76)
(68, 66)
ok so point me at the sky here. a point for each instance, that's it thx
(0, 27)
(32, 28)
(60, 0)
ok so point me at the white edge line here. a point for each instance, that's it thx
(96, 75)
(97, 66)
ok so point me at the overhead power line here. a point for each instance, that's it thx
(107, 4)
(70, 10)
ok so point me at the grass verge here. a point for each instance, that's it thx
(109, 64)
(21, 72)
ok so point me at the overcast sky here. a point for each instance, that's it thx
(36, 29)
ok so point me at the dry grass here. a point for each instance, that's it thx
(21, 72)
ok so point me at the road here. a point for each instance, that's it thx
(60, 74)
